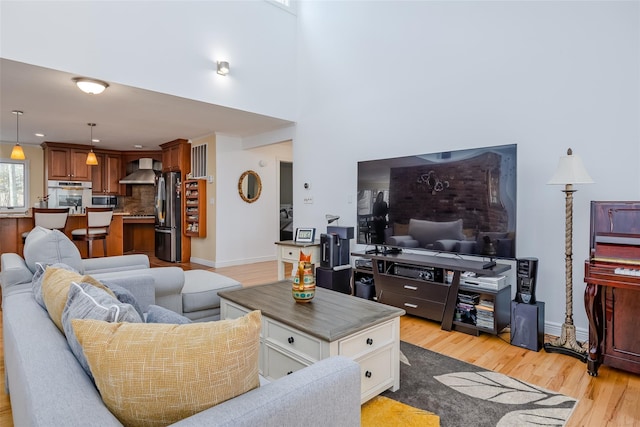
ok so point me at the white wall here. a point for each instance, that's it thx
(165, 46)
(386, 79)
(247, 232)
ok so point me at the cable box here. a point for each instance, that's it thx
(493, 283)
(364, 263)
(432, 274)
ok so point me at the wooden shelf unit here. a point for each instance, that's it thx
(195, 208)
(498, 304)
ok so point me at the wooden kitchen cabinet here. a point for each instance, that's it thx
(66, 161)
(195, 205)
(106, 175)
(176, 156)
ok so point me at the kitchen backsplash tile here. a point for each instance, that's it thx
(141, 201)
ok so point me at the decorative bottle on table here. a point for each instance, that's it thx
(304, 284)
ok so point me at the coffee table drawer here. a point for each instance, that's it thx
(292, 340)
(376, 370)
(279, 364)
(367, 341)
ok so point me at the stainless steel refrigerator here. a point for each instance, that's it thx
(168, 208)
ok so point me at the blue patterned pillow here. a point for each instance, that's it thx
(86, 301)
(124, 295)
(36, 281)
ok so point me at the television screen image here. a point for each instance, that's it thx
(461, 201)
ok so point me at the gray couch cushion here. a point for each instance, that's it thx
(50, 247)
(157, 314)
(201, 287)
(85, 301)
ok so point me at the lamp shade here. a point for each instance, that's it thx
(570, 170)
(17, 153)
(92, 160)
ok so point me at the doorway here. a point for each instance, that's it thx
(286, 201)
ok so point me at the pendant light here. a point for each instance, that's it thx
(92, 160)
(17, 153)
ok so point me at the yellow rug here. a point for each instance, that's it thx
(382, 411)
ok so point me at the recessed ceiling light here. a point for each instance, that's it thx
(95, 140)
(137, 146)
(40, 135)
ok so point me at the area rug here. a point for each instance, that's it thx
(462, 394)
(382, 411)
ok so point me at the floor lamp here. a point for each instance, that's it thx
(570, 171)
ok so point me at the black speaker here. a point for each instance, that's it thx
(527, 325)
(334, 251)
(527, 271)
(336, 280)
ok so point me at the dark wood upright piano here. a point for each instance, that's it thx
(612, 295)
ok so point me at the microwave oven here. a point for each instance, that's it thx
(104, 201)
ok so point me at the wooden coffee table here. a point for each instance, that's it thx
(296, 335)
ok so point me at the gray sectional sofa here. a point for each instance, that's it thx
(48, 387)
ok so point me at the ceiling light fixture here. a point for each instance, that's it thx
(17, 153)
(223, 68)
(91, 86)
(92, 160)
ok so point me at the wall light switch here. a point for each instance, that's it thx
(211, 201)
(211, 180)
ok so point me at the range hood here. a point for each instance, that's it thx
(144, 175)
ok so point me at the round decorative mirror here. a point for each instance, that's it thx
(249, 186)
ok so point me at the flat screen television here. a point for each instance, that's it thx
(461, 201)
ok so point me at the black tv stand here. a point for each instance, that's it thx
(427, 286)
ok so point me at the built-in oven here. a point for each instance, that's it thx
(104, 201)
(75, 195)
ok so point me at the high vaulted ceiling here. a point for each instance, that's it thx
(125, 116)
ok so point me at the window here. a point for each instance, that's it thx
(14, 185)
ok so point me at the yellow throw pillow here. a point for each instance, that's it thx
(55, 289)
(155, 374)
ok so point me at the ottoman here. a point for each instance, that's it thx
(200, 300)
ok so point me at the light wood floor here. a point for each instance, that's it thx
(612, 399)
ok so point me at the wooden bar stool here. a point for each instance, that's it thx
(98, 223)
(51, 218)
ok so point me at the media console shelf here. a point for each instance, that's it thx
(427, 286)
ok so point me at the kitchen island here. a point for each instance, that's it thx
(13, 225)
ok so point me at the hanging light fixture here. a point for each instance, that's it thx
(17, 153)
(92, 160)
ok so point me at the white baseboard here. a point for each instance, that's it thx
(206, 262)
(231, 263)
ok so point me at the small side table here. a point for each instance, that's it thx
(289, 251)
